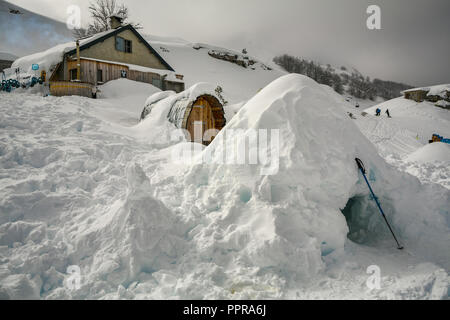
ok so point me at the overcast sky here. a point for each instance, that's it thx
(413, 45)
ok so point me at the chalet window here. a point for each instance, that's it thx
(73, 74)
(99, 75)
(120, 44)
(123, 45)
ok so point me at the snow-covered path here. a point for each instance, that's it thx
(79, 185)
(411, 126)
(408, 132)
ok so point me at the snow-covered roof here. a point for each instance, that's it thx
(177, 104)
(437, 90)
(49, 59)
(440, 90)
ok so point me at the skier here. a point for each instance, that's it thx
(378, 112)
(388, 114)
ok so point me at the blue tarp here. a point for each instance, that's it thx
(441, 138)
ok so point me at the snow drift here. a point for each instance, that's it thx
(432, 152)
(287, 222)
(171, 102)
(164, 111)
(78, 192)
(194, 62)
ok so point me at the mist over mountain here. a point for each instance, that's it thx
(7, 56)
(27, 32)
(24, 32)
(343, 80)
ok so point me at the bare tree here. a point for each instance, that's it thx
(80, 33)
(101, 11)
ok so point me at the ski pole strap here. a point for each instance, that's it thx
(360, 165)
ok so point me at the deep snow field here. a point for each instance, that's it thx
(403, 139)
(82, 183)
(197, 66)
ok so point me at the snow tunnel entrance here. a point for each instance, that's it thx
(365, 222)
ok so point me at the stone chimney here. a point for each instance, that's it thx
(115, 21)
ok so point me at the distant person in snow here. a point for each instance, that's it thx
(388, 113)
(46, 90)
(94, 92)
(357, 105)
(378, 112)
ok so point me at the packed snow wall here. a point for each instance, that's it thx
(289, 220)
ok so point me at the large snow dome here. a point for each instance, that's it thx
(290, 220)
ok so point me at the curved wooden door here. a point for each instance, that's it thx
(200, 120)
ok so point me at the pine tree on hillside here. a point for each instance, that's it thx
(358, 85)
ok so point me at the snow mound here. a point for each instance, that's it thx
(140, 226)
(125, 88)
(130, 238)
(432, 152)
(124, 99)
(194, 62)
(437, 90)
(440, 90)
(289, 221)
(155, 98)
(164, 111)
(173, 105)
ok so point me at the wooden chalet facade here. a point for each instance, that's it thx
(120, 53)
(416, 95)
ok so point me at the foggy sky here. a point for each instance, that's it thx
(412, 47)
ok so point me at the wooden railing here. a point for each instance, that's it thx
(69, 88)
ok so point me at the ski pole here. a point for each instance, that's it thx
(363, 171)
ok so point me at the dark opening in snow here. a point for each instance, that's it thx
(365, 223)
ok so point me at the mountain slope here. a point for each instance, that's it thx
(195, 63)
(28, 32)
(344, 80)
(7, 56)
(411, 126)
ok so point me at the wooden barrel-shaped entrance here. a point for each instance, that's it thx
(201, 116)
(205, 120)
